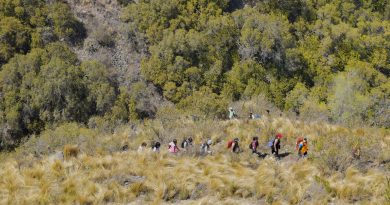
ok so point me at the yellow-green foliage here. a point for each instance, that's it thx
(323, 59)
(113, 176)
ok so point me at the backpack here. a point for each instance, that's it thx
(204, 146)
(173, 148)
(230, 143)
(271, 143)
(299, 140)
(304, 147)
(182, 144)
(252, 145)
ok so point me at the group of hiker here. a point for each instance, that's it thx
(233, 115)
(274, 144)
(233, 146)
(205, 147)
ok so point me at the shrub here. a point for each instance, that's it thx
(56, 139)
(204, 103)
(70, 151)
(312, 110)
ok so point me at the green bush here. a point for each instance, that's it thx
(290, 52)
(205, 103)
(29, 24)
(47, 86)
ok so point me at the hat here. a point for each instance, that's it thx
(230, 108)
(236, 139)
(279, 135)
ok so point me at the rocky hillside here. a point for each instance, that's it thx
(107, 40)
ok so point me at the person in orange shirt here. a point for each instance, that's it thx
(303, 148)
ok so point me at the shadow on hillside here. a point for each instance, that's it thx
(283, 155)
(262, 155)
(79, 34)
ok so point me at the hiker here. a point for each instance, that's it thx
(251, 116)
(254, 144)
(232, 113)
(234, 146)
(298, 141)
(275, 144)
(172, 147)
(302, 148)
(125, 148)
(142, 147)
(156, 147)
(186, 143)
(205, 147)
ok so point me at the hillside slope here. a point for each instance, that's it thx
(105, 172)
(107, 40)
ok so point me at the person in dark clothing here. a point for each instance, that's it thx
(236, 146)
(186, 143)
(254, 144)
(276, 145)
(205, 147)
(156, 147)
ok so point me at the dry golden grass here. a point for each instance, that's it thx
(70, 151)
(111, 176)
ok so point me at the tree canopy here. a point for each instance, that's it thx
(291, 51)
(322, 59)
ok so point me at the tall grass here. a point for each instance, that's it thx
(102, 173)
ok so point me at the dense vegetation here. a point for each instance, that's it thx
(326, 60)
(33, 24)
(69, 128)
(327, 57)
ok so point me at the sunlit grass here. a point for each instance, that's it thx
(223, 177)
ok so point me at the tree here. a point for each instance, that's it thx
(65, 24)
(204, 103)
(46, 87)
(101, 88)
(14, 38)
(349, 100)
(264, 37)
(296, 98)
(246, 79)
